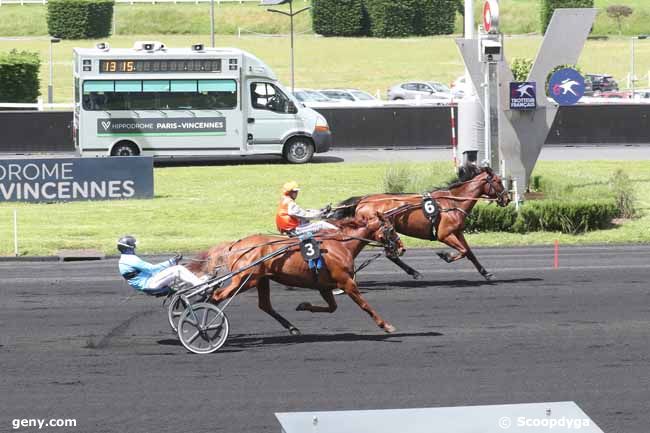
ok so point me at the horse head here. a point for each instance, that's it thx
(493, 187)
(384, 232)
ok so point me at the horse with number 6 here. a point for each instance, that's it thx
(436, 215)
(338, 247)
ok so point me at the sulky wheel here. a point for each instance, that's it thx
(203, 328)
(175, 309)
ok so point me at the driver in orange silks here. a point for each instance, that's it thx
(292, 219)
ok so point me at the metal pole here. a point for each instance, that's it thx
(486, 113)
(50, 95)
(469, 34)
(494, 116)
(212, 22)
(293, 84)
(632, 78)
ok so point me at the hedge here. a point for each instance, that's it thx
(549, 6)
(383, 18)
(80, 19)
(19, 76)
(435, 17)
(340, 17)
(567, 216)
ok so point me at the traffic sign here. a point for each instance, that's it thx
(566, 86)
(491, 16)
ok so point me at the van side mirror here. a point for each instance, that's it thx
(291, 108)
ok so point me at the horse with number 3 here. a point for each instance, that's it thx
(338, 248)
(436, 215)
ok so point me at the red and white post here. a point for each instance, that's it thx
(454, 139)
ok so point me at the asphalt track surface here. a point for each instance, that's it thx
(73, 345)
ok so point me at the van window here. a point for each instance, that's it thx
(159, 95)
(266, 96)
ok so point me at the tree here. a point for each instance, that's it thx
(549, 6)
(521, 67)
(618, 13)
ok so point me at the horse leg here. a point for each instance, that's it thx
(328, 296)
(458, 242)
(351, 289)
(264, 302)
(472, 258)
(452, 241)
(409, 270)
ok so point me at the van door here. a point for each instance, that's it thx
(272, 116)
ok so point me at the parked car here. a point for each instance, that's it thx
(458, 87)
(309, 95)
(419, 89)
(642, 94)
(349, 95)
(616, 95)
(602, 83)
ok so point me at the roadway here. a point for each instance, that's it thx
(76, 344)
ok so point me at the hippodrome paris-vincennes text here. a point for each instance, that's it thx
(54, 181)
(168, 125)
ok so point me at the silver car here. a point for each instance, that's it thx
(419, 89)
(349, 95)
(309, 95)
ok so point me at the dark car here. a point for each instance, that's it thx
(602, 83)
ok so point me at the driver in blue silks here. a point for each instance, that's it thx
(148, 278)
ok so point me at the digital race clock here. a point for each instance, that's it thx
(159, 66)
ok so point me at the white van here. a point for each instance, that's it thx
(155, 101)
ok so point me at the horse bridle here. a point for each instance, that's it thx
(501, 196)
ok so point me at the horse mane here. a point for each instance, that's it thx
(347, 209)
(466, 173)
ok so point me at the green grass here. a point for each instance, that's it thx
(168, 18)
(365, 63)
(517, 17)
(197, 207)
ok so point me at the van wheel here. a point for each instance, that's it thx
(298, 150)
(125, 148)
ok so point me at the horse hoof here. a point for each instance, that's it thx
(389, 328)
(488, 276)
(303, 306)
(444, 256)
(294, 331)
(417, 275)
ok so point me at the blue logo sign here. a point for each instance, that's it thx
(523, 96)
(566, 86)
(76, 179)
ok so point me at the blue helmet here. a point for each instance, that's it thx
(126, 244)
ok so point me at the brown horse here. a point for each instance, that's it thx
(339, 248)
(455, 202)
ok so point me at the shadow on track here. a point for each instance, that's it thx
(244, 341)
(415, 284)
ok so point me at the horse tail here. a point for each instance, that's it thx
(346, 208)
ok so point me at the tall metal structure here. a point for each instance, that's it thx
(512, 139)
(290, 14)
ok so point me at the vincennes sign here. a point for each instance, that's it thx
(75, 179)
